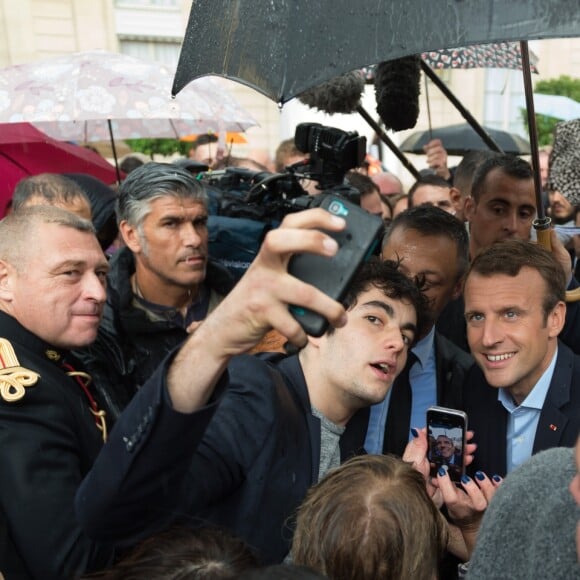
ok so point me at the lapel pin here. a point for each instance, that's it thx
(553, 427)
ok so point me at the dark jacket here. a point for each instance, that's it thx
(252, 468)
(48, 442)
(130, 345)
(559, 423)
(451, 366)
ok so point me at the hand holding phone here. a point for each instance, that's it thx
(333, 275)
(446, 433)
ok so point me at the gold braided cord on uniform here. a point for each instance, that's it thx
(13, 381)
(84, 379)
(13, 377)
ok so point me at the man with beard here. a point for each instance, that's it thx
(160, 285)
(562, 213)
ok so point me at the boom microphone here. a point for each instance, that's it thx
(397, 91)
(339, 95)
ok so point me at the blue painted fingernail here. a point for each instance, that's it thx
(496, 478)
(480, 475)
(414, 432)
(465, 479)
(442, 472)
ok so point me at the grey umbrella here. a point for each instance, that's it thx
(283, 47)
(461, 138)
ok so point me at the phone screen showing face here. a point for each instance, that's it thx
(446, 430)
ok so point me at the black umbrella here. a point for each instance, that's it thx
(283, 47)
(458, 139)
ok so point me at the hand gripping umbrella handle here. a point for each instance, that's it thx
(542, 227)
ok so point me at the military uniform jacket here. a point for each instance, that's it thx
(48, 442)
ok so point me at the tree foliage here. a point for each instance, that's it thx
(563, 85)
(158, 146)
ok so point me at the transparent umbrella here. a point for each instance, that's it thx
(94, 96)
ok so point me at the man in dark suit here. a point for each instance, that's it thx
(502, 207)
(523, 397)
(432, 247)
(281, 423)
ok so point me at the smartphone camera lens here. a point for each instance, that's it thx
(337, 209)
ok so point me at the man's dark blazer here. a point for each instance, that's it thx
(252, 467)
(452, 365)
(559, 422)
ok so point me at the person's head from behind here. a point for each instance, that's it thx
(514, 308)
(433, 248)
(52, 275)
(575, 491)
(102, 199)
(433, 190)
(181, 553)
(282, 572)
(463, 178)
(388, 183)
(370, 519)
(162, 216)
(370, 199)
(130, 163)
(356, 364)
(502, 204)
(51, 189)
(287, 154)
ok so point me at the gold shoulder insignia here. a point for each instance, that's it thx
(13, 377)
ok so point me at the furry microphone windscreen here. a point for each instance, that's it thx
(397, 92)
(339, 95)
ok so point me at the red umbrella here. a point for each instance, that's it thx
(24, 150)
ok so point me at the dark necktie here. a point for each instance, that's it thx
(399, 414)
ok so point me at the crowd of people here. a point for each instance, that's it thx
(161, 419)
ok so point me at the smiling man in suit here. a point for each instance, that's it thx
(521, 399)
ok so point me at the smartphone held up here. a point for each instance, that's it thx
(333, 275)
(446, 432)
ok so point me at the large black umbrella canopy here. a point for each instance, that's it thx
(283, 47)
(461, 138)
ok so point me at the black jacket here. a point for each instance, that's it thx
(48, 442)
(253, 464)
(129, 345)
(451, 366)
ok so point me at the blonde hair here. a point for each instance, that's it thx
(370, 519)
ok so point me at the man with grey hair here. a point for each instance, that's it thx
(51, 189)
(52, 293)
(160, 285)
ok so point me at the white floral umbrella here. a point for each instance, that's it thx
(93, 96)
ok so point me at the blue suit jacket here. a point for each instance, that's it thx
(251, 468)
(559, 422)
